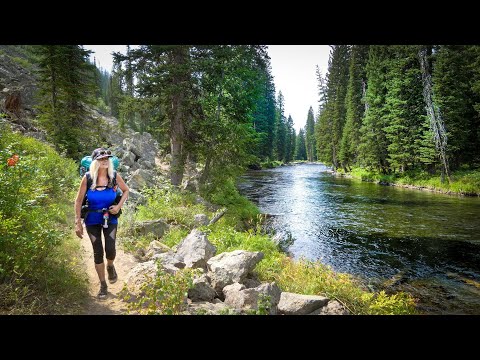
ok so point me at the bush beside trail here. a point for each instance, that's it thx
(38, 261)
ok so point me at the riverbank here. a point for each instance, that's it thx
(465, 182)
(241, 229)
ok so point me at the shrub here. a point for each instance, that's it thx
(35, 183)
(165, 294)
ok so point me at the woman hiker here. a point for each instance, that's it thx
(101, 214)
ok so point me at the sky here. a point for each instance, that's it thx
(294, 73)
(293, 70)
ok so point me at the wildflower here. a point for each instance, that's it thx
(13, 160)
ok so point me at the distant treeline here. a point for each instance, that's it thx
(388, 108)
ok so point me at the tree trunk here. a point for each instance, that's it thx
(176, 143)
(206, 170)
(178, 58)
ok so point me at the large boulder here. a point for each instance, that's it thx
(195, 250)
(230, 267)
(298, 304)
(266, 295)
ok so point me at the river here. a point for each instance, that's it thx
(424, 243)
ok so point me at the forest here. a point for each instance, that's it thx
(390, 109)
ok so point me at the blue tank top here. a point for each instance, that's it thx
(98, 200)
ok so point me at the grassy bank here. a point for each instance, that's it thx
(464, 182)
(240, 228)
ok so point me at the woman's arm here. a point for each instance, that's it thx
(78, 206)
(125, 190)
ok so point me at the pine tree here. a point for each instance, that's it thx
(300, 147)
(289, 140)
(323, 124)
(355, 105)
(373, 144)
(264, 115)
(66, 87)
(115, 91)
(475, 86)
(232, 83)
(404, 105)
(452, 76)
(310, 142)
(332, 119)
(280, 128)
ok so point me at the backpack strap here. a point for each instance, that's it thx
(89, 180)
(113, 183)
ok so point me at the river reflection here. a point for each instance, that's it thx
(376, 232)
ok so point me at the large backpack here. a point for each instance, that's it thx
(112, 183)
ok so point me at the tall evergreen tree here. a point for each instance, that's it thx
(280, 128)
(169, 70)
(452, 88)
(264, 115)
(66, 86)
(232, 82)
(332, 118)
(322, 90)
(405, 108)
(373, 145)
(310, 142)
(323, 125)
(475, 86)
(115, 91)
(289, 140)
(300, 147)
(355, 105)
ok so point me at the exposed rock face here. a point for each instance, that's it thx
(154, 248)
(16, 79)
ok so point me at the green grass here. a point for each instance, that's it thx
(314, 278)
(464, 182)
(270, 164)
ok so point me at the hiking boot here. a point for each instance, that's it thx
(102, 294)
(112, 274)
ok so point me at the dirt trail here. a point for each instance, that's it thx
(113, 304)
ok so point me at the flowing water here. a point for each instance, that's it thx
(421, 242)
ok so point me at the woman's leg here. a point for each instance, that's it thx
(110, 235)
(95, 234)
